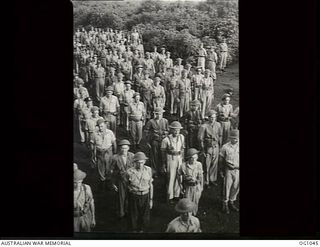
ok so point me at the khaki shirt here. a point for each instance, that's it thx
(193, 171)
(137, 110)
(171, 143)
(230, 153)
(139, 180)
(177, 225)
(224, 110)
(109, 104)
(224, 47)
(103, 140)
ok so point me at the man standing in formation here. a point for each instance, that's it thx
(110, 63)
(229, 158)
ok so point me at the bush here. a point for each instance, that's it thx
(178, 26)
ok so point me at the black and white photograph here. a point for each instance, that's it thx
(156, 116)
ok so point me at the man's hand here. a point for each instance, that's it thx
(115, 188)
(151, 203)
(93, 223)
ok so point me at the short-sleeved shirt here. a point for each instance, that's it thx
(197, 80)
(173, 143)
(224, 47)
(139, 180)
(178, 225)
(207, 84)
(230, 153)
(103, 140)
(83, 196)
(193, 171)
(224, 110)
(127, 96)
(137, 110)
(109, 104)
(158, 92)
(157, 128)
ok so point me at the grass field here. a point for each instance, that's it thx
(210, 215)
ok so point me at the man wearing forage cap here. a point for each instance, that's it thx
(172, 148)
(229, 160)
(83, 203)
(140, 193)
(186, 222)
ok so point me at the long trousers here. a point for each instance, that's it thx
(156, 159)
(123, 198)
(201, 62)
(111, 122)
(139, 211)
(226, 126)
(136, 131)
(99, 86)
(103, 163)
(211, 162)
(184, 105)
(173, 102)
(223, 61)
(231, 185)
(194, 194)
(173, 164)
(207, 98)
(212, 67)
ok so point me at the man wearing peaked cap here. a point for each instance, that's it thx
(191, 178)
(172, 148)
(186, 222)
(156, 129)
(83, 207)
(224, 114)
(229, 160)
(210, 139)
(140, 193)
(120, 163)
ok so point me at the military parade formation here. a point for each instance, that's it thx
(144, 116)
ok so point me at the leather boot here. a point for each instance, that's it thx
(225, 208)
(234, 207)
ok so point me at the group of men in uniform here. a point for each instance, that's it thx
(120, 88)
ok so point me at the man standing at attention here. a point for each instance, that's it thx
(223, 55)
(137, 115)
(103, 146)
(140, 193)
(156, 129)
(210, 138)
(229, 160)
(172, 148)
(110, 108)
(120, 164)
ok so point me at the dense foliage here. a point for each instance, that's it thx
(179, 26)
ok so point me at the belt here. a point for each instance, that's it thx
(140, 193)
(224, 51)
(99, 77)
(110, 113)
(174, 153)
(103, 150)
